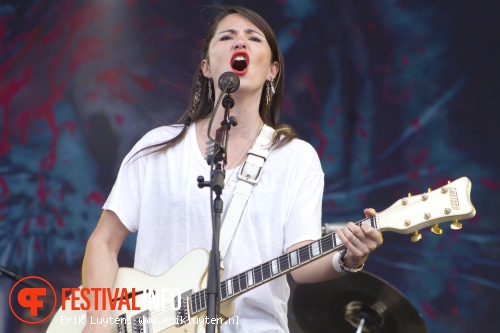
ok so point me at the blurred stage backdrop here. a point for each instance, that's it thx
(397, 96)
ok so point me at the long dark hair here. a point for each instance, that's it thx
(200, 106)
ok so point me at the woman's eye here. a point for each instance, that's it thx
(225, 38)
(255, 39)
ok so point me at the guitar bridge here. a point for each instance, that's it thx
(182, 315)
(141, 323)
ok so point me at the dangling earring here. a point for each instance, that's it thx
(209, 90)
(269, 89)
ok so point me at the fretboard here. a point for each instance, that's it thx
(277, 267)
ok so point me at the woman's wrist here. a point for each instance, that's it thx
(351, 261)
(340, 265)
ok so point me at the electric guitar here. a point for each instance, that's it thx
(185, 312)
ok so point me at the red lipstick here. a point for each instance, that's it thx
(239, 62)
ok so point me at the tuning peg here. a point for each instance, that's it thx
(436, 229)
(416, 237)
(456, 225)
(425, 196)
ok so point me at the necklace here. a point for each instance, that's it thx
(209, 150)
(241, 155)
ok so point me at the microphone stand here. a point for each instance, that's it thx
(16, 277)
(216, 183)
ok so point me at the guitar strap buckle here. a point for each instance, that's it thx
(251, 170)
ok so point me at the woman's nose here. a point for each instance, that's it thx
(240, 43)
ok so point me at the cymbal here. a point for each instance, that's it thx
(340, 304)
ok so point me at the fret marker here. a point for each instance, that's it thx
(197, 299)
(315, 249)
(229, 287)
(274, 267)
(249, 278)
(293, 258)
(203, 300)
(337, 241)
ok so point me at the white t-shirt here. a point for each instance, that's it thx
(157, 196)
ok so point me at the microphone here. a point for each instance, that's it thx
(229, 81)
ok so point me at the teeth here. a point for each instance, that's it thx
(240, 62)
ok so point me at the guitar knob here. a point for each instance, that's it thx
(456, 225)
(416, 237)
(436, 229)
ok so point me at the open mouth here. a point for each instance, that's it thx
(239, 63)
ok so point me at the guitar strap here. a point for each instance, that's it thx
(248, 176)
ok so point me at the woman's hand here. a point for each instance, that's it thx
(359, 241)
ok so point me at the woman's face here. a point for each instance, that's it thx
(241, 47)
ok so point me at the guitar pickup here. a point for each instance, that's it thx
(141, 323)
(121, 324)
(183, 315)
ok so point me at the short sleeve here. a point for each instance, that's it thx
(125, 197)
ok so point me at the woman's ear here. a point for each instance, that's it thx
(205, 68)
(275, 68)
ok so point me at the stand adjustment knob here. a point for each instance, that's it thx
(201, 182)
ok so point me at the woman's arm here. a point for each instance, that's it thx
(100, 263)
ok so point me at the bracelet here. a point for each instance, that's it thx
(341, 262)
(336, 262)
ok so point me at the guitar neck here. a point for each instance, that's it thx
(275, 268)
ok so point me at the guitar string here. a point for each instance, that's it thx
(307, 249)
(242, 277)
(280, 260)
(169, 313)
(300, 252)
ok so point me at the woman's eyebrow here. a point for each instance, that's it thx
(250, 31)
(247, 31)
(231, 31)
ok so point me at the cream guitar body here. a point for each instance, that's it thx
(188, 275)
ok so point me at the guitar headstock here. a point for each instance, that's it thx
(445, 204)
